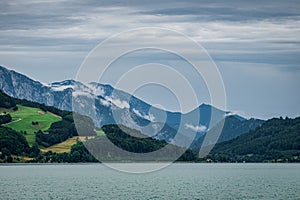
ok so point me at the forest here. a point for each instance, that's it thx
(276, 140)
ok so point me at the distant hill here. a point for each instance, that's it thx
(232, 128)
(113, 106)
(13, 140)
(276, 140)
(43, 124)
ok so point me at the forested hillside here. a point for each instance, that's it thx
(277, 140)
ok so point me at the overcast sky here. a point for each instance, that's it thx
(255, 44)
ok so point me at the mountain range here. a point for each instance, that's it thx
(107, 105)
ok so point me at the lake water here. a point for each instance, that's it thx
(178, 181)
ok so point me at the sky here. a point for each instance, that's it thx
(254, 44)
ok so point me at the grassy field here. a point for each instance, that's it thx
(64, 147)
(100, 132)
(23, 118)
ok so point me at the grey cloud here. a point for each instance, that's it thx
(222, 14)
(65, 43)
(36, 21)
(227, 10)
(285, 58)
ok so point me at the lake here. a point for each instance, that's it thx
(178, 181)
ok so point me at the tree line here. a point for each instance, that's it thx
(4, 119)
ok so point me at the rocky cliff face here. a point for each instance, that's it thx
(22, 87)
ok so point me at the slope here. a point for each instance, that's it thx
(277, 140)
(233, 127)
(30, 120)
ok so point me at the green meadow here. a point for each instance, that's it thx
(23, 118)
(100, 132)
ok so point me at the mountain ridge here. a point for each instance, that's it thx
(113, 106)
(72, 82)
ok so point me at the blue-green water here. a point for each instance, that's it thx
(178, 181)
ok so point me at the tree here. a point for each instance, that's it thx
(8, 159)
(75, 156)
(4, 119)
(35, 150)
(35, 123)
(14, 141)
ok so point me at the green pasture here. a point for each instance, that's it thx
(23, 118)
